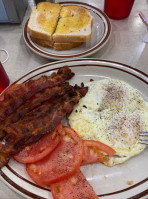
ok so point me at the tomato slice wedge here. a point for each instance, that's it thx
(94, 152)
(36, 151)
(61, 163)
(76, 186)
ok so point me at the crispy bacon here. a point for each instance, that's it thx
(41, 120)
(49, 94)
(17, 95)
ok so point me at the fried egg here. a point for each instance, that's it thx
(112, 112)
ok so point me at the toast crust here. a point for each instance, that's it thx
(57, 46)
(71, 38)
(66, 46)
(42, 42)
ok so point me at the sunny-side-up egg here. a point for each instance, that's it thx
(112, 112)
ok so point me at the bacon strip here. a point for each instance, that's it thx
(49, 94)
(38, 122)
(17, 95)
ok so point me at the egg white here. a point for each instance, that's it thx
(112, 112)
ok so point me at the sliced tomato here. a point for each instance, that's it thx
(76, 186)
(36, 151)
(103, 147)
(61, 163)
(94, 152)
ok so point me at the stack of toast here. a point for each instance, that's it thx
(59, 27)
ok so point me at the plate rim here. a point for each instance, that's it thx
(77, 64)
(85, 53)
(84, 59)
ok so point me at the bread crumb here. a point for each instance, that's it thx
(131, 182)
(105, 177)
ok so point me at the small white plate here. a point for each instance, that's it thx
(108, 183)
(101, 32)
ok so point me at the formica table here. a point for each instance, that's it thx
(125, 45)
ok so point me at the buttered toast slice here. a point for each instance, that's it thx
(70, 11)
(43, 20)
(74, 25)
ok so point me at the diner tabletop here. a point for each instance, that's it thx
(125, 45)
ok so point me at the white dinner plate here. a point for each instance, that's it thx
(108, 182)
(101, 32)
